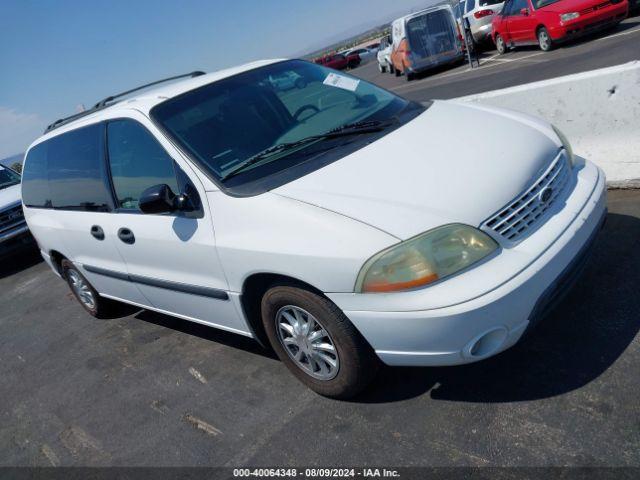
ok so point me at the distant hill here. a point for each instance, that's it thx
(13, 159)
(364, 30)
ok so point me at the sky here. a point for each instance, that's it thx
(56, 55)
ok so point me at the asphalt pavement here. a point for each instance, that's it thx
(523, 65)
(148, 389)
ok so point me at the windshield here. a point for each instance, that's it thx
(225, 123)
(544, 3)
(8, 178)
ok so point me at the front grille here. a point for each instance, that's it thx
(518, 219)
(11, 218)
(595, 8)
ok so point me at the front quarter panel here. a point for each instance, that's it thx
(272, 234)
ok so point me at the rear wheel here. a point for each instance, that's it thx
(396, 72)
(381, 68)
(391, 68)
(84, 292)
(544, 39)
(317, 342)
(500, 45)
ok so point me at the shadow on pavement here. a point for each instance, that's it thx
(205, 332)
(19, 260)
(573, 346)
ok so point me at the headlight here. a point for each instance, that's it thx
(566, 145)
(424, 259)
(565, 17)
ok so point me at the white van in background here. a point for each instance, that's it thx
(424, 40)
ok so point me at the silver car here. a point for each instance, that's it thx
(480, 14)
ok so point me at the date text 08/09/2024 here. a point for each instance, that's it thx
(316, 472)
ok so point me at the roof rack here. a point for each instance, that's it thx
(107, 101)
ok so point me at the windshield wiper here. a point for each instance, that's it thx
(355, 128)
(364, 125)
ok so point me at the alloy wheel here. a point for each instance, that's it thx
(81, 289)
(544, 40)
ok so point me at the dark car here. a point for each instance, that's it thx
(14, 232)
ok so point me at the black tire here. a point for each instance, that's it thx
(397, 72)
(358, 363)
(101, 307)
(500, 45)
(392, 68)
(381, 68)
(545, 42)
(408, 75)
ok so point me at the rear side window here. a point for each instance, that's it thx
(137, 162)
(471, 4)
(67, 172)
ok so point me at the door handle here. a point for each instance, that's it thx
(97, 232)
(126, 236)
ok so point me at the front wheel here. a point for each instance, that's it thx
(317, 342)
(500, 45)
(544, 40)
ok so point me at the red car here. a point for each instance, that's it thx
(336, 61)
(546, 22)
(353, 60)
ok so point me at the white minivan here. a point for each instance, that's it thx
(340, 224)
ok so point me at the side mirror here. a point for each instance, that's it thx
(157, 199)
(524, 11)
(161, 199)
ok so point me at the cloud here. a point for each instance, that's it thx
(18, 130)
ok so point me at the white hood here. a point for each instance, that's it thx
(454, 163)
(9, 196)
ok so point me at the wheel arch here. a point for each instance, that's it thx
(56, 260)
(253, 289)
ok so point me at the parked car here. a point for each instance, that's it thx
(546, 22)
(364, 54)
(384, 55)
(287, 81)
(353, 59)
(336, 61)
(339, 223)
(480, 14)
(14, 233)
(424, 40)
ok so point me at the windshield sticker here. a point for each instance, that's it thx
(346, 83)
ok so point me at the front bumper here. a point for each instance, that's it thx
(494, 321)
(15, 239)
(589, 23)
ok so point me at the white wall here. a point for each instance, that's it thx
(599, 111)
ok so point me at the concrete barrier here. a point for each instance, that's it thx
(599, 111)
